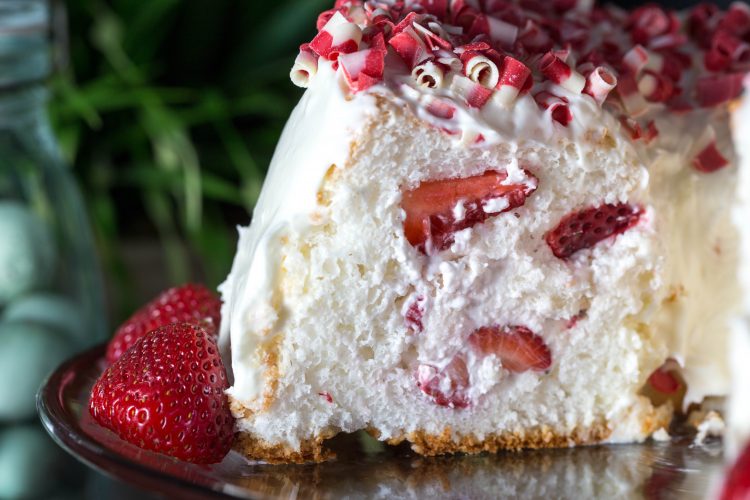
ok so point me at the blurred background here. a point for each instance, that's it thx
(168, 112)
(132, 142)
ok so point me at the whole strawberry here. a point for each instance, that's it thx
(166, 394)
(189, 303)
(737, 481)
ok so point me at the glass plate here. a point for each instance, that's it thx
(364, 468)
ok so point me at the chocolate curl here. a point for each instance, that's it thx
(428, 75)
(515, 77)
(432, 40)
(501, 32)
(475, 95)
(649, 22)
(365, 68)
(668, 41)
(482, 70)
(441, 109)
(727, 51)
(305, 67)
(556, 106)
(438, 8)
(599, 84)
(338, 36)
(635, 59)
(655, 87)
(557, 71)
(452, 63)
(708, 158)
(736, 20)
(637, 132)
(718, 89)
(410, 47)
(534, 38)
(632, 100)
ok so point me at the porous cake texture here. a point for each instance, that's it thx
(492, 225)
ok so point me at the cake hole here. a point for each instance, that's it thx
(366, 353)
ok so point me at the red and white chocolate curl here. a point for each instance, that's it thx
(599, 84)
(338, 36)
(557, 107)
(482, 70)
(718, 89)
(736, 20)
(363, 69)
(305, 67)
(655, 87)
(438, 8)
(441, 109)
(707, 157)
(637, 132)
(726, 52)
(649, 22)
(501, 32)
(432, 40)
(635, 59)
(515, 77)
(475, 95)
(428, 75)
(410, 47)
(632, 100)
(558, 71)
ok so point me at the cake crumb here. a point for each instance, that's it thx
(661, 435)
(707, 423)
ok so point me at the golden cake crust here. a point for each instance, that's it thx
(424, 443)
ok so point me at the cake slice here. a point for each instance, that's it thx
(491, 225)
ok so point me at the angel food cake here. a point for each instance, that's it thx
(492, 225)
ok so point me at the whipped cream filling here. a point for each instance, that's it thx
(328, 119)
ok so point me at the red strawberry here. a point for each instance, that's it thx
(664, 379)
(737, 482)
(447, 387)
(166, 394)
(430, 219)
(518, 348)
(191, 303)
(586, 228)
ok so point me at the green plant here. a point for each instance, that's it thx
(169, 112)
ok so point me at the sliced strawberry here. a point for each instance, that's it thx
(447, 387)
(518, 348)
(432, 217)
(665, 381)
(167, 394)
(192, 303)
(737, 482)
(414, 313)
(586, 228)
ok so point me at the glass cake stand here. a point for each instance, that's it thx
(365, 468)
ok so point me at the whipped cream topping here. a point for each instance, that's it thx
(509, 96)
(317, 136)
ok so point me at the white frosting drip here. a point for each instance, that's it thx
(318, 135)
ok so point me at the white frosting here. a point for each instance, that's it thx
(317, 136)
(739, 348)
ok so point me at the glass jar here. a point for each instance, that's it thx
(51, 293)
